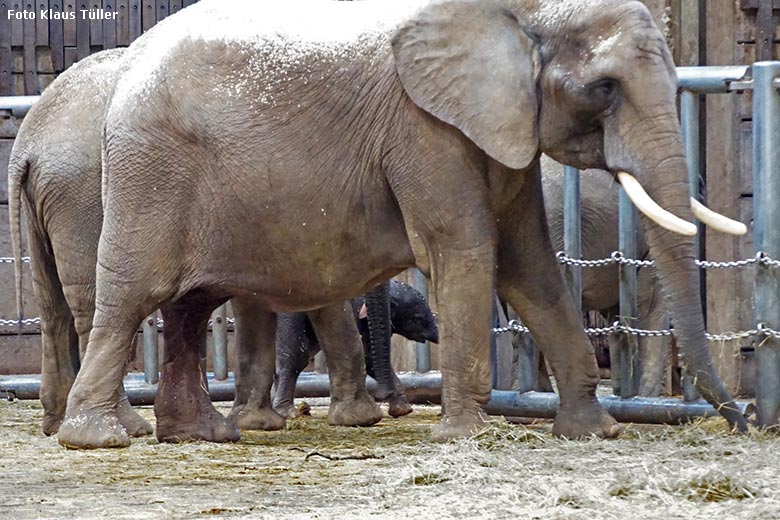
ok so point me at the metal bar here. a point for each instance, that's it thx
(766, 236)
(422, 351)
(494, 365)
(711, 79)
(689, 119)
(151, 361)
(572, 235)
(423, 388)
(18, 105)
(219, 338)
(629, 350)
(636, 410)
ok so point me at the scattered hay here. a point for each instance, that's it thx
(393, 470)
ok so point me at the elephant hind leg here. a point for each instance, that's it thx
(350, 402)
(182, 406)
(59, 341)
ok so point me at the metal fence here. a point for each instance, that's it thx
(763, 79)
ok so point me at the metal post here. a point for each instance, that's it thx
(766, 236)
(629, 351)
(151, 361)
(422, 350)
(572, 236)
(219, 337)
(689, 118)
(494, 364)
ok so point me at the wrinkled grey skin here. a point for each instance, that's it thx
(364, 148)
(600, 286)
(297, 344)
(54, 173)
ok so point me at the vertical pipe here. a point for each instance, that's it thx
(151, 361)
(689, 119)
(494, 365)
(572, 236)
(422, 350)
(766, 236)
(527, 362)
(219, 337)
(629, 351)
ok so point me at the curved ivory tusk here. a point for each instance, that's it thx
(651, 209)
(715, 220)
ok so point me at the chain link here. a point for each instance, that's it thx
(617, 327)
(228, 321)
(616, 257)
(15, 323)
(10, 259)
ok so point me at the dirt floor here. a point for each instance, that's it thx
(392, 470)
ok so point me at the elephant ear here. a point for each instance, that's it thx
(471, 65)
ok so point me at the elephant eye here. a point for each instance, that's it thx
(602, 93)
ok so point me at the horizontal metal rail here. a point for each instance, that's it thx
(426, 388)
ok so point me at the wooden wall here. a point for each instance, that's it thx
(33, 52)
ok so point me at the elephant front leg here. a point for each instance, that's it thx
(183, 406)
(255, 332)
(350, 402)
(464, 292)
(530, 280)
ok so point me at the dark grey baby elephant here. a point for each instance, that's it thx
(297, 343)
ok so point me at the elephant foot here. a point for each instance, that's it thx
(584, 420)
(91, 429)
(361, 411)
(248, 417)
(51, 422)
(459, 426)
(399, 406)
(135, 425)
(210, 426)
(286, 410)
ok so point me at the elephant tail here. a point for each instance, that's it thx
(18, 169)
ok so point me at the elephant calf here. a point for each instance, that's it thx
(297, 343)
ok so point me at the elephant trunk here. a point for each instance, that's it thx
(666, 182)
(378, 352)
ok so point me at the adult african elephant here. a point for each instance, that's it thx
(54, 172)
(328, 121)
(55, 163)
(601, 285)
(297, 343)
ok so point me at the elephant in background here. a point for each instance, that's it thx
(54, 172)
(363, 138)
(296, 345)
(55, 175)
(600, 285)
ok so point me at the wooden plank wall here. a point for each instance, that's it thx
(731, 40)
(33, 52)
